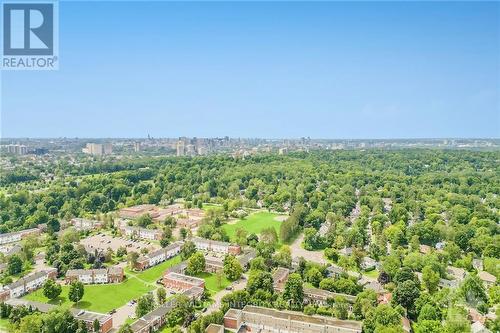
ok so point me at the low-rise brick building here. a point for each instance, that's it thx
(203, 244)
(154, 258)
(95, 276)
(261, 319)
(181, 282)
(30, 283)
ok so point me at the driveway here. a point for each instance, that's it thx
(237, 285)
(298, 251)
(122, 314)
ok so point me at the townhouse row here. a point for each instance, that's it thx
(112, 274)
(311, 295)
(17, 236)
(259, 319)
(154, 258)
(157, 318)
(142, 233)
(185, 218)
(213, 263)
(208, 245)
(27, 284)
(88, 317)
(85, 224)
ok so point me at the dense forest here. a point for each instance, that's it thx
(381, 204)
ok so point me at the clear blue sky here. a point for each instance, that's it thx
(324, 70)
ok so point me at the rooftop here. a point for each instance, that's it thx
(29, 278)
(327, 294)
(209, 241)
(89, 316)
(184, 278)
(300, 317)
(485, 276)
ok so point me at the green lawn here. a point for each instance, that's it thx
(211, 282)
(373, 274)
(254, 223)
(4, 325)
(154, 273)
(209, 206)
(99, 298)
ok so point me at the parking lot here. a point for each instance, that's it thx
(103, 242)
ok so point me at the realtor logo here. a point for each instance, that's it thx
(29, 35)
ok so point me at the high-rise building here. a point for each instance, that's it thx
(16, 149)
(137, 146)
(107, 149)
(98, 149)
(181, 148)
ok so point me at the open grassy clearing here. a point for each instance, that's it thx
(254, 223)
(211, 282)
(99, 298)
(4, 325)
(105, 297)
(208, 206)
(154, 273)
(373, 274)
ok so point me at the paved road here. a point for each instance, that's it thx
(237, 285)
(298, 251)
(128, 311)
(122, 314)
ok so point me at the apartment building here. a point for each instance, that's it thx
(17, 236)
(152, 321)
(203, 244)
(155, 319)
(135, 211)
(311, 295)
(143, 233)
(213, 264)
(260, 319)
(181, 282)
(189, 222)
(95, 276)
(194, 293)
(29, 283)
(246, 257)
(154, 258)
(214, 328)
(321, 297)
(8, 250)
(88, 317)
(98, 149)
(85, 224)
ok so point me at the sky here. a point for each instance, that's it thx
(264, 69)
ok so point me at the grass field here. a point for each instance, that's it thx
(4, 325)
(254, 223)
(208, 206)
(99, 298)
(373, 274)
(156, 272)
(211, 282)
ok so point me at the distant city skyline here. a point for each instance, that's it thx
(325, 70)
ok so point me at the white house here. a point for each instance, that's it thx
(216, 246)
(85, 224)
(151, 234)
(17, 235)
(30, 282)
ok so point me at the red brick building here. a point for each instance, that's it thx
(181, 282)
